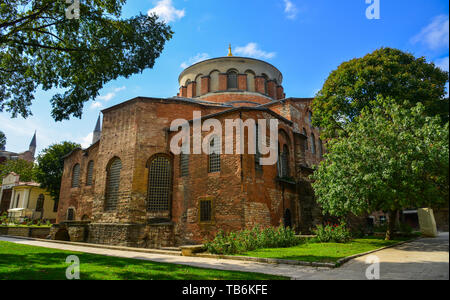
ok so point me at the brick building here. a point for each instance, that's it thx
(129, 189)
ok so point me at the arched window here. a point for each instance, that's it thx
(70, 214)
(76, 176)
(306, 142)
(214, 155)
(90, 173)
(285, 162)
(159, 184)
(313, 144)
(112, 184)
(40, 203)
(266, 81)
(310, 117)
(232, 80)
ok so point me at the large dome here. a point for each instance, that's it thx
(232, 78)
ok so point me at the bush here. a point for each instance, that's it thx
(248, 240)
(333, 233)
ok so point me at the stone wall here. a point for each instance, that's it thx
(33, 232)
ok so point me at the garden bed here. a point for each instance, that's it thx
(26, 231)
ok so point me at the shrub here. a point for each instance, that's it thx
(333, 233)
(252, 239)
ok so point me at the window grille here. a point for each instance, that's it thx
(214, 155)
(205, 211)
(232, 80)
(306, 142)
(76, 176)
(113, 184)
(159, 184)
(184, 165)
(70, 214)
(284, 172)
(90, 171)
(40, 203)
(313, 143)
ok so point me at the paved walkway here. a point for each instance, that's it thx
(421, 259)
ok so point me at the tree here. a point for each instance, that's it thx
(41, 47)
(2, 140)
(23, 168)
(51, 165)
(392, 158)
(387, 72)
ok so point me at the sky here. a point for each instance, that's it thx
(304, 39)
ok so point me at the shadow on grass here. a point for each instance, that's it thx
(49, 264)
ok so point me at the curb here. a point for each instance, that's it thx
(121, 248)
(278, 261)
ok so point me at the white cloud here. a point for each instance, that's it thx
(193, 60)
(290, 9)
(443, 63)
(435, 35)
(252, 50)
(86, 141)
(96, 105)
(105, 98)
(165, 10)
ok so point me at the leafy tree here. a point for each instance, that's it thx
(386, 72)
(21, 167)
(51, 165)
(40, 46)
(392, 158)
(2, 140)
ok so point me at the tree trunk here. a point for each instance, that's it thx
(391, 224)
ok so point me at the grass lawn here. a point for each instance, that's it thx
(329, 252)
(25, 262)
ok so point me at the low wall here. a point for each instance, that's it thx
(34, 232)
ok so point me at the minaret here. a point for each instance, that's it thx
(32, 147)
(97, 132)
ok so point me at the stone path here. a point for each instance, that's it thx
(421, 259)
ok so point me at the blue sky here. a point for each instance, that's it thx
(304, 39)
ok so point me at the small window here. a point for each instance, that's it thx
(40, 203)
(70, 214)
(55, 206)
(310, 117)
(214, 155)
(76, 176)
(313, 144)
(206, 214)
(232, 80)
(90, 173)
(184, 165)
